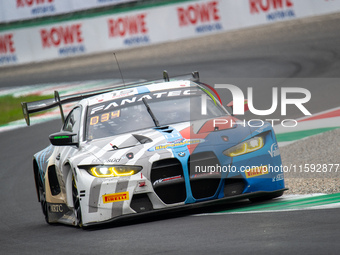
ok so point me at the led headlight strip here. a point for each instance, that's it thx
(114, 171)
(245, 147)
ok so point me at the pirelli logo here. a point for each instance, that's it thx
(116, 197)
(256, 171)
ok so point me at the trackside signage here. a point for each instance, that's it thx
(64, 40)
(36, 7)
(30, 9)
(140, 27)
(132, 29)
(7, 49)
(273, 9)
(203, 17)
(12, 10)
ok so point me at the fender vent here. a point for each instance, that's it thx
(53, 181)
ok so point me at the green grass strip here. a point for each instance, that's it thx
(291, 204)
(292, 136)
(10, 107)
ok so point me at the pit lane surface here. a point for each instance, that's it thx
(307, 49)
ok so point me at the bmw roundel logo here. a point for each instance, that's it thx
(181, 154)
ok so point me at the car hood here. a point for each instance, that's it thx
(129, 147)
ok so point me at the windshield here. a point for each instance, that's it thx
(115, 120)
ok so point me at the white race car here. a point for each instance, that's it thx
(146, 147)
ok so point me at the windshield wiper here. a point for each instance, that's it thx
(150, 112)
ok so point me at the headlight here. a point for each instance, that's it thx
(114, 171)
(250, 145)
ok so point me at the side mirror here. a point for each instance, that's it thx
(63, 138)
(246, 108)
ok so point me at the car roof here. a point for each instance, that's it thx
(138, 90)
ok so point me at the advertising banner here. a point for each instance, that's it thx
(13, 10)
(15, 48)
(30, 9)
(200, 18)
(144, 26)
(124, 30)
(59, 40)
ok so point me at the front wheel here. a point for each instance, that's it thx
(76, 203)
(43, 203)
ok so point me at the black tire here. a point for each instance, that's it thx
(266, 198)
(43, 203)
(76, 203)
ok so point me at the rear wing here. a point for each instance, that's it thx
(43, 105)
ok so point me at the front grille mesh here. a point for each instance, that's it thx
(204, 181)
(168, 181)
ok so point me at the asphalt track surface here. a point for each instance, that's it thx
(306, 49)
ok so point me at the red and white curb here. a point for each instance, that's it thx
(309, 126)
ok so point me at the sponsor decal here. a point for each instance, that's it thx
(256, 171)
(113, 95)
(7, 49)
(116, 197)
(56, 208)
(274, 9)
(37, 7)
(170, 145)
(204, 17)
(278, 177)
(67, 39)
(158, 95)
(113, 160)
(132, 28)
(167, 179)
(274, 150)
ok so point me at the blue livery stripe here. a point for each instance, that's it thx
(142, 90)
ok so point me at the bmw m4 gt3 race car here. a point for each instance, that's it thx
(150, 147)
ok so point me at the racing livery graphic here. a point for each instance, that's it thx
(147, 147)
